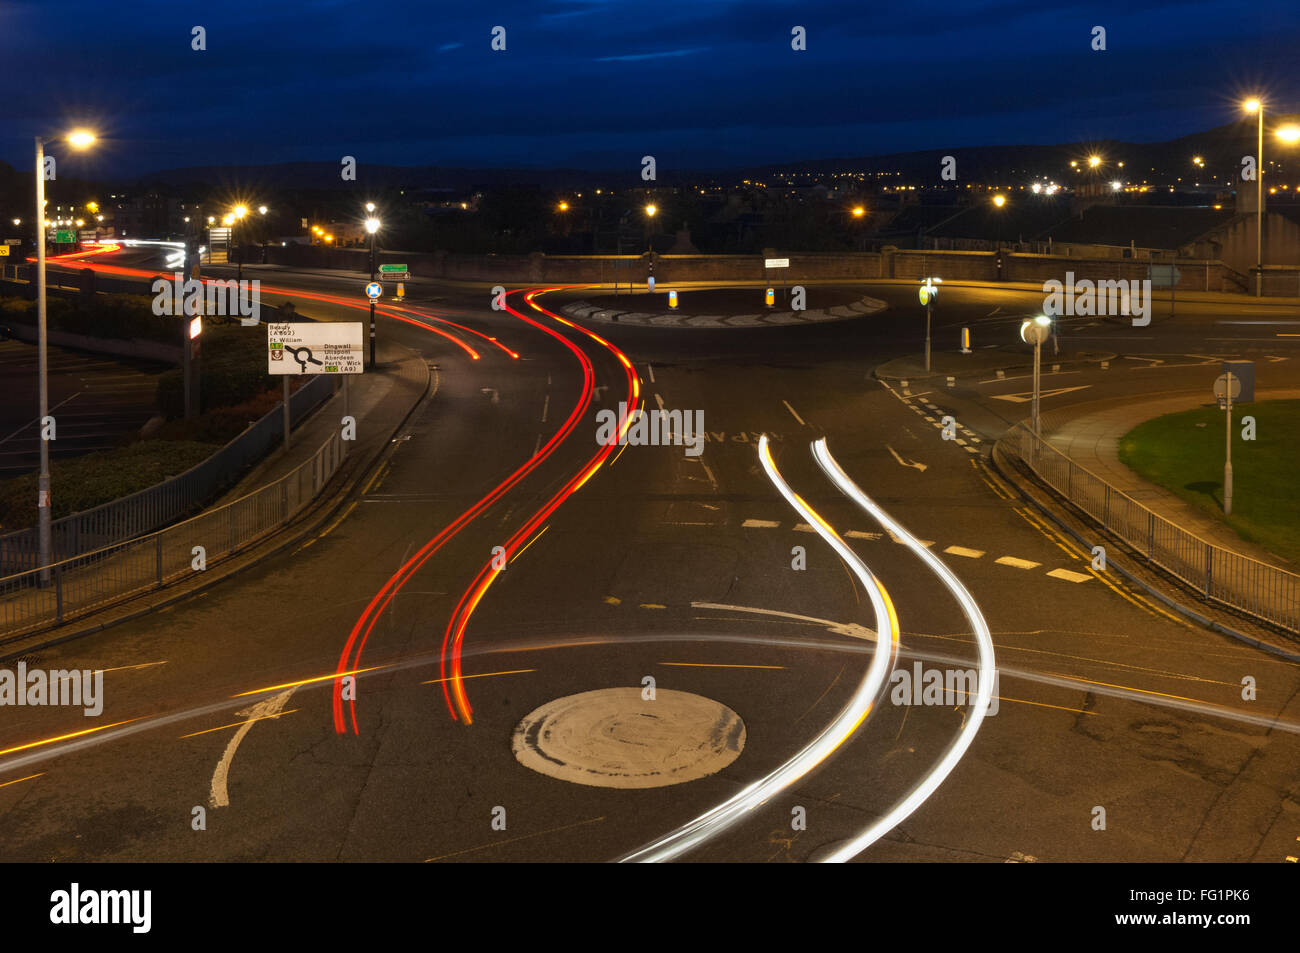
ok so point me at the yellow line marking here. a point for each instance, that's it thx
(717, 665)
(72, 734)
(378, 474)
(1025, 701)
(305, 681)
(344, 515)
(613, 601)
(236, 724)
(20, 780)
(652, 605)
(511, 840)
(514, 671)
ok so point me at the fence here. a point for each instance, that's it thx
(96, 579)
(1258, 589)
(166, 502)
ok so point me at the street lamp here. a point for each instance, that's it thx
(1257, 106)
(372, 226)
(237, 215)
(78, 139)
(1035, 332)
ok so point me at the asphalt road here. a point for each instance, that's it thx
(679, 568)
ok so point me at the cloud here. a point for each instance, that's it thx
(635, 57)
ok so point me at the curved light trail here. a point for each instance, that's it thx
(983, 640)
(859, 706)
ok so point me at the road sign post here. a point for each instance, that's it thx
(313, 348)
(1035, 332)
(927, 293)
(373, 291)
(1226, 387)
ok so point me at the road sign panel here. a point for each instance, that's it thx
(393, 269)
(1221, 386)
(374, 289)
(13, 241)
(4, 251)
(315, 348)
(1164, 276)
(64, 236)
(776, 263)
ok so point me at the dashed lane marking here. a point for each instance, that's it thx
(1017, 563)
(1069, 575)
(963, 551)
(760, 524)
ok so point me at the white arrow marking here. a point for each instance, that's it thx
(269, 706)
(1029, 395)
(906, 463)
(486, 391)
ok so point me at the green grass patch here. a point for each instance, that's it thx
(83, 482)
(1184, 453)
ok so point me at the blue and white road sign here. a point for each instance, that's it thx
(374, 290)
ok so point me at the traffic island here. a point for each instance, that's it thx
(716, 308)
(947, 363)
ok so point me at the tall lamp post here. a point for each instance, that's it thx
(1257, 106)
(372, 226)
(237, 216)
(78, 139)
(1035, 332)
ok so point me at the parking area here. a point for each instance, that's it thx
(97, 402)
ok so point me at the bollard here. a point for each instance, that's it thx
(965, 340)
(401, 290)
(770, 298)
(672, 299)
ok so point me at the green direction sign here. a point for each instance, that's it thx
(64, 237)
(392, 269)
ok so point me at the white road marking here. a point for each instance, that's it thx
(1069, 576)
(269, 706)
(860, 534)
(760, 524)
(651, 369)
(907, 463)
(792, 411)
(546, 407)
(1028, 395)
(803, 528)
(1018, 563)
(963, 551)
(660, 401)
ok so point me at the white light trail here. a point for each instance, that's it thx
(984, 641)
(731, 811)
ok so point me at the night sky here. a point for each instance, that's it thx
(599, 83)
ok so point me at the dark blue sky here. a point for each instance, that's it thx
(600, 83)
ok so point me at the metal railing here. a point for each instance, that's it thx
(1256, 588)
(148, 509)
(94, 580)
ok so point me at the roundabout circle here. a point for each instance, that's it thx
(614, 738)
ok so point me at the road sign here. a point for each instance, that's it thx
(1164, 276)
(1221, 387)
(374, 289)
(395, 272)
(64, 236)
(315, 348)
(924, 293)
(4, 251)
(13, 241)
(776, 263)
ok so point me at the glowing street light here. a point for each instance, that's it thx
(650, 210)
(999, 200)
(372, 226)
(1035, 331)
(1094, 161)
(1256, 106)
(563, 206)
(370, 207)
(261, 210)
(859, 211)
(1289, 133)
(78, 139)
